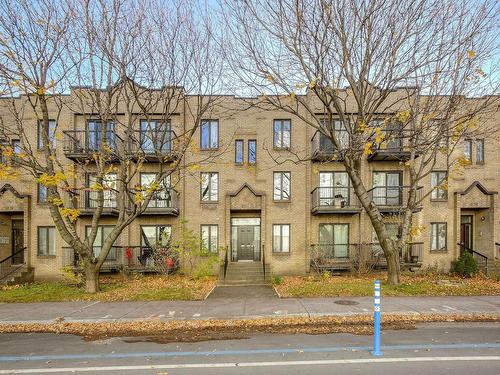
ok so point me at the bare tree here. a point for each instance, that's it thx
(371, 76)
(130, 61)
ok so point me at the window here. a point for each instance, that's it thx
(334, 189)
(50, 136)
(46, 241)
(252, 151)
(282, 133)
(439, 185)
(209, 134)
(281, 186)
(281, 238)
(340, 131)
(42, 193)
(210, 238)
(334, 240)
(438, 236)
(480, 151)
(387, 189)
(468, 150)
(209, 187)
(16, 146)
(155, 235)
(156, 136)
(94, 135)
(238, 151)
(102, 234)
(109, 186)
(161, 198)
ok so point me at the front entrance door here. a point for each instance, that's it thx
(245, 242)
(17, 241)
(245, 239)
(466, 231)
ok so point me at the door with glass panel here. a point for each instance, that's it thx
(95, 135)
(334, 240)
(387, 190)
(109, 190)
(103, 232)
(161, 198)
(245, 239)
(155, 136)
(334, 189)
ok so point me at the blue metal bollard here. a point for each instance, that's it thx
(376, 320)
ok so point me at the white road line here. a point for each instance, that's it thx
(247, 364)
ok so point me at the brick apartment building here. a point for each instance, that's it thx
(271, 191)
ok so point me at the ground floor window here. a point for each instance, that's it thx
(46, 241)
(334, 240)
(209, 237)
(281, 238)
(438, 236)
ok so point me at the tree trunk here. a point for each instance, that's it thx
(393, 266)
(91, 278)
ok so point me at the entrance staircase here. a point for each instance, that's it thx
(16, 274)
(245, 273)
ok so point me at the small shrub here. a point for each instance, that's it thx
(277, 280)
(325, 275)
(466, 265)
(72, 276)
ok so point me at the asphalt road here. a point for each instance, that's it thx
(444, 348)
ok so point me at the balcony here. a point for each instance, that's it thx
(392, 199)
(81, 145)
(131, 258)
(334, 200)
(338, 257)
(410, 256)
(323, 150)
(163, 202)
(153, 145)
(87, 202)
(393, 149)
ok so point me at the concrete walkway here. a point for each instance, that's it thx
(240, 307)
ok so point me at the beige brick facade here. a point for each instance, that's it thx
(246, 191)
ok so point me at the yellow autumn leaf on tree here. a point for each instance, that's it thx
(367, 150)
(51, 180)
(471, 54)
(270, 78)
(403, 116)
(40, 91)
(71, 213)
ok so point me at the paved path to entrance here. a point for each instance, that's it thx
(239, 307)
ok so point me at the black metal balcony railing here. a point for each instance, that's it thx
(157, 144)
(330, 256)
(138, 258)
(88, 201)
(394, 148)
(81, 144)
(323, 149)
(164, 201)
(336, 199)
(411, 254)
(390, 198)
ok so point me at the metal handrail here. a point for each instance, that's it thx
(225, 263)
(3, 277)
(13, 255)
(264, 261)
(474, 252)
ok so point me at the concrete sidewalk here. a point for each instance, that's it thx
(241, 307)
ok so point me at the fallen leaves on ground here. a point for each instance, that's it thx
(411, 285)
(114, 288)
(202, 330)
